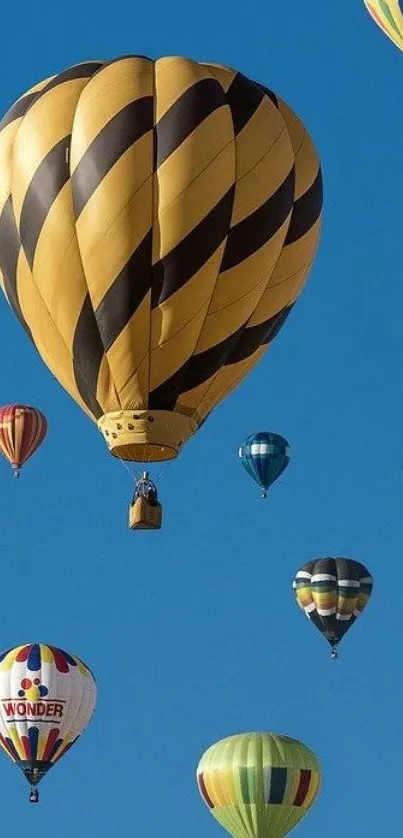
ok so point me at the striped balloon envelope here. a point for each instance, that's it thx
(258, 784)
(265, 456)
(388, 14)
(47, 697)
(158, 221)
(22, 430)
(333, 593)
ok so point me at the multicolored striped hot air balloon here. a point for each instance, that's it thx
(265, 456)
(258, 784)
(388, 14)
(47, 698)
(22, 430)
(333, 592)
(158, 220)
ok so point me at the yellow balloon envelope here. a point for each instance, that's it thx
(258, 785)
(388, 15)
(158, 220)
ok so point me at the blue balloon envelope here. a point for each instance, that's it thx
(265, 456)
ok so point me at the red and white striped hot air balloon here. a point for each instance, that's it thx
(22, 429)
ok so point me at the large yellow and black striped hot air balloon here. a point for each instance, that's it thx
(258, 785)
(158, 220)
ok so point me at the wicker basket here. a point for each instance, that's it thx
(143, 516)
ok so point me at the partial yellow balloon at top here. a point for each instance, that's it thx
(258, 784)
(389, 17)
(158, 220)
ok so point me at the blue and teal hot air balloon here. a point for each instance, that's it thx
(265, 456)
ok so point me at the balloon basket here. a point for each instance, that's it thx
(145, 516)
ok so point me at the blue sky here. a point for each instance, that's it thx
(193, 632)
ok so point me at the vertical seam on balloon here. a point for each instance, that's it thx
(154, 187)
(62, 734)
(193, 180)
(209, 70)
(69, 351)
(188, 359)
(216, 375)
(40, 93)
(105, 347)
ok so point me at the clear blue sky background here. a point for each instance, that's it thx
(193, 632)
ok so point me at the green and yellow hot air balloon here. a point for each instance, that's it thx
(258, 785)
(388, 15)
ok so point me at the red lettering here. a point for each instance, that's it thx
(30, 709)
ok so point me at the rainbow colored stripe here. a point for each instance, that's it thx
(35, 747)
(35, 654)
(328, 597)
(389, 17)
(333, 592)
(281, 786)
